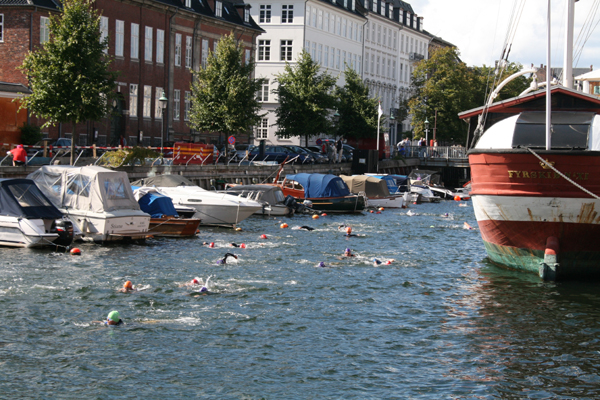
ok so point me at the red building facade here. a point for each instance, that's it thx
(154, 46)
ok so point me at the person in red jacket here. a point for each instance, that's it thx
(19, 155)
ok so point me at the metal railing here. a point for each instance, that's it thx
(448, 152)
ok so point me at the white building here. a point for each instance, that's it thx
(330, 30)
(381, 39)
(394, 43)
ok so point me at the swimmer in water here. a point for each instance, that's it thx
(348, 253)
(376, 262)
(127, 288)
(342, 226)
(349, 232)
(224, 259)
(113, 319)
(308, 228)
(234, 245)
(321, 265)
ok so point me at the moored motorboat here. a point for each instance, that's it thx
(29, 219)
(375, 189)
(325, 192)
(213, 208)
(99, 201)
(164, 221)
(271, 197)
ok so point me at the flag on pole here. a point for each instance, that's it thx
(380, 111)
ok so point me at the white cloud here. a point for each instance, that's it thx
(478, 28)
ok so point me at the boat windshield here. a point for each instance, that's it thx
(28, 195)
(570, 130)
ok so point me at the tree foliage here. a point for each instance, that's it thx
(30, 134)
(446, 84)
(224, 93)
(69, 75)
(305, 100)
(358, 112)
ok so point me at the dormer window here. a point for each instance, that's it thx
(246, 15)
(218, 8)
(188, 3)
(374, 5)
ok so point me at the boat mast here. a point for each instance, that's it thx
(548, 86)
(568, 56)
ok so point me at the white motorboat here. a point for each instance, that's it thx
(99, 201)
(375, 189)
(28, 218)
(421, 182)
(213, 208)
(271, 198)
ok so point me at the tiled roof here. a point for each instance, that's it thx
(38, 3)
(340, 4)
(13, 88)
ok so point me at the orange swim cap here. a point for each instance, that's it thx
(349, 230)
(128, 285)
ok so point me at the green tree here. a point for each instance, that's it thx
(358, 112)
(305, 100)
(487, 78)
(69, 75)
(445, 84)
(224, 93)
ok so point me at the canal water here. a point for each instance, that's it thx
(438, 322)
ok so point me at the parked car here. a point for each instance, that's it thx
(240, 151)
(278, 154)
(317, 156)
(305, 156)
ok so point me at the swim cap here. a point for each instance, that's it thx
(322, 264)
(114, 316)
(195, 281)
(203, 289)
(128, 285)
(347, 250)
(349, 229)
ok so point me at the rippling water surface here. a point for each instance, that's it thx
(439, 322)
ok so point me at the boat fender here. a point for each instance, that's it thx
(75, 251)
(549, 267)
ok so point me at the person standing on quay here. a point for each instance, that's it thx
(339, 146)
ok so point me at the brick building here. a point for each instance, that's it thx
(154, 44)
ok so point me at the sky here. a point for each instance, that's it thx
(479, 28)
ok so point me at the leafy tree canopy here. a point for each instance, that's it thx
(305, 100)
(358, 112)
(69, 75)
(224, 93)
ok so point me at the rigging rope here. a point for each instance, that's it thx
(562, 175)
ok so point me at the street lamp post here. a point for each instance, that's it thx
(162, 101)
(426, 132)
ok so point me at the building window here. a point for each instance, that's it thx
(345, 27)
(247, 57)
(307, 46)
(265, 14)
(148, 44)
(147, 111)
(338, 26)
(332, 57)
(135, 41)
(263, 94)
(313, 52)
(395, 40)
(1, 27)
(176, 104)
(320, 54)
(373, 64)
(188, 3)
(246, 15)
(133, 100)
(160, 46)
(178, 49)
(188, 52)
(374, 4)
(384, 36)
(218, 8)
(204, 52)
(326, 22)
(262, 131)
(119, 37)
(157, 108)
(359, 65)
(314, 17)
(337, 59)
(378, 64)
(104, 31)
(187, 106)
(287, 14)
(378, 34)
(264, 50)
(326, 57)
(320, 20)
(394, 70)
(44, 32)
(286, 50)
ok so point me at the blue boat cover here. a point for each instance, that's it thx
(156, 204)
(22, 198)
(393, 181)
(321, 185)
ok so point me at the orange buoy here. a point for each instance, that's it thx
(75, 251)
(211, 245)
(315, 216)
(381, 208)
(284, 225)
(263, 236)
(243, 245)
(349, 230)
(324, 215)
(371, 211)
(378, 212)
(457, 198)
